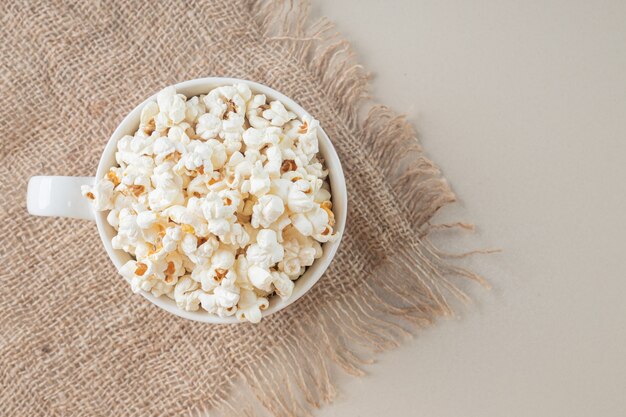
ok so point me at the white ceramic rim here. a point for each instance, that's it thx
(190, 88)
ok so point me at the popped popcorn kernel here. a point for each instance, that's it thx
(222, 200)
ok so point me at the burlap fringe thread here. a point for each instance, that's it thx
(385, 312)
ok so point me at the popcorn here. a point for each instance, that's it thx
(223, 260)
(223, 101)
(308, 142)
(139, 275)
(173, 235)
(101, 194)
(321, 195)
(312, 222)
(162, 148)
(172, 108)
(232, 130)
(266, 251)
(240, 268)
(298, 201)
(209, 126)
(146, 219)
(178, 134)
(167, 188)
(170, 269)
(274, 162)
(259, 138)
(280, 187)
(269, 281)
(128, 232)
(194, 108)
(279, 225)
(227, 297)
(250, 306)
(267, 210)
(223, 301)
(198, 154)
(316, 169)
(237, 236)
(198, 186)
(282, 284)
(186, 294)
(197, 250)
(217, 271)
(259, 180)
(221, 200)
(299, 253)
(218, 154)
(277, 114)
(255, 110)
(218, 214)
(147, 123)
(206, 249)
(238, 169)
(260, 277)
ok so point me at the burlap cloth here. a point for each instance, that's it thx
(74, 340)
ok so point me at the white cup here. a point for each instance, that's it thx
(61, 196)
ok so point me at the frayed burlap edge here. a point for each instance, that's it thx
(384, 312)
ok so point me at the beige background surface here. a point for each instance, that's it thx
(523, 105)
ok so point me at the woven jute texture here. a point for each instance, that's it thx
(74, 340)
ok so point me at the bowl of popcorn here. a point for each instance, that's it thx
(219, 200)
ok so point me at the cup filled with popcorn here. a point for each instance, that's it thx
(219, 200)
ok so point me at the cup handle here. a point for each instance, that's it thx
(59, 196)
